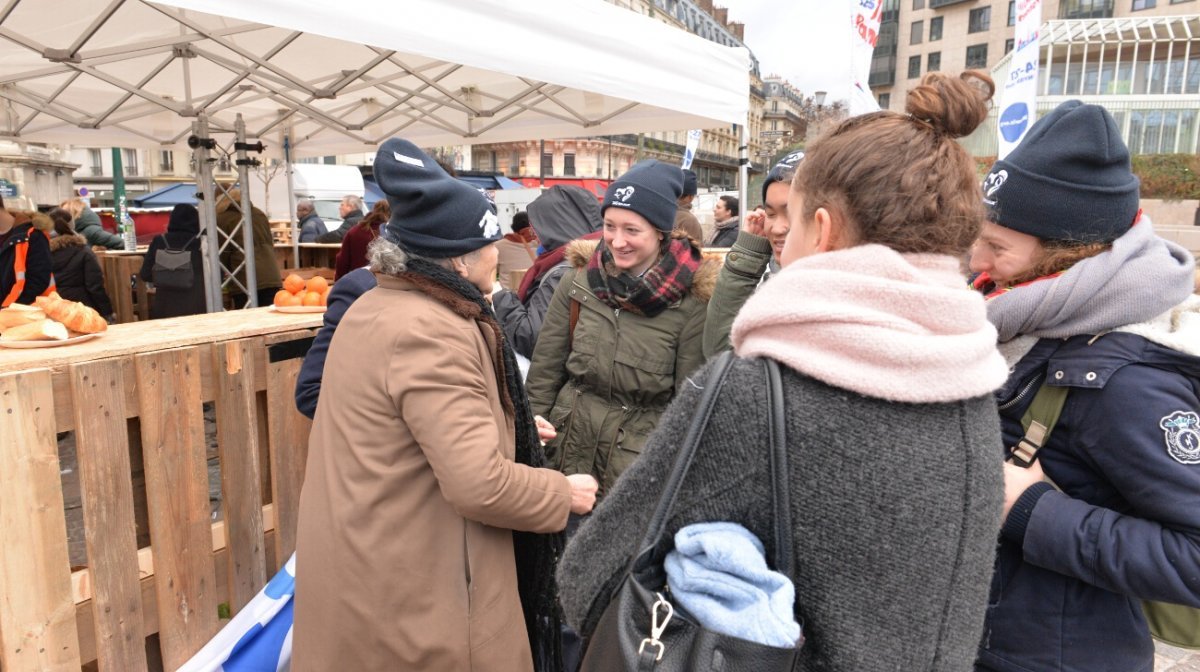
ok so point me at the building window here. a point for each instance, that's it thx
(1012, 12)
(1144, 4)
(885, 99)
(130, 158)
(914, 66)
(1180, 2)
(935, 29)
(918, 4)
(1085, 9)
(569, 164)
(918, 30)
(977, 56)
(547, 163)
(980, 20)
(514, 163)
(97, 161)
(1008, 45)
(166, 161)
(935, 61)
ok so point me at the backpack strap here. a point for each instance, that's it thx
(1038, 422)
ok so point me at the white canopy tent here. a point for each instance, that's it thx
(342, 77)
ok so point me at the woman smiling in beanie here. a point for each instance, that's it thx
(427, 533)
(1090, 303)
(624, 327)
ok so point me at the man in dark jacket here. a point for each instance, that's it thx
(311, 225)
(351, 211)
(25, 266)
(558, 216)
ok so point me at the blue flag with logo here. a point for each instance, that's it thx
(259, 638)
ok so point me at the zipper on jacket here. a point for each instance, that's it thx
(1021, 395)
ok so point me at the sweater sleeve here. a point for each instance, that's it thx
(743, 269)
(1147, 546)
(343, 294)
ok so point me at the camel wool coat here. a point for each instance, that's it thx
(404, 553)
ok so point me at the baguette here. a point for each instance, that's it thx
(18, 314)
(42, 330)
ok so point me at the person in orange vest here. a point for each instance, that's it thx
(25, 266)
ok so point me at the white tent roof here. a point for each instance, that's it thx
(343, 76)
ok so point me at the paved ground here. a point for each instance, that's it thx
(1172, 659)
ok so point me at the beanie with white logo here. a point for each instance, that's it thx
(651, 189)
(433, 214)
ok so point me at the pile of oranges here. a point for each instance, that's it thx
(298, 292)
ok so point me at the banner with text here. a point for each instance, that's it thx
(689, 153)
(865, 16)
(1018, 100)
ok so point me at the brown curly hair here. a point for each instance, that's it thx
(901, 180)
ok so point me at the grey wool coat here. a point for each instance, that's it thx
(895, 509)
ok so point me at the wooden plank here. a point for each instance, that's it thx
(37, 622)
(173, 449)
(85, 609)
(107, 489)
(237, 443)
(288, 431)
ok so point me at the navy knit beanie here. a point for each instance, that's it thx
(782, 171)
(689, 182)
(1069, 179)
(649, 188)
(433, 215)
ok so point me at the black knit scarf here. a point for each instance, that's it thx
(536, 554)
(660, 287)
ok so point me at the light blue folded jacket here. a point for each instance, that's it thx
(718, 573)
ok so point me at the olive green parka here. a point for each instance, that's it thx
(604, 387)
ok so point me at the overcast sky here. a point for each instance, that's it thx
(805, 41)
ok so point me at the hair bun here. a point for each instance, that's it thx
(955, 106)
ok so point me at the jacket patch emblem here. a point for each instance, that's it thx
(1183, 436)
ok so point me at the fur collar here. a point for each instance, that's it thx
(59, 242)
(704, 282)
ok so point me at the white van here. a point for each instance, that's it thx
(326, 185)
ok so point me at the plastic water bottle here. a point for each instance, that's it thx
(128, 233)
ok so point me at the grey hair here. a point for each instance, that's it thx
(351, 199)
(388, 258)
(304, 203)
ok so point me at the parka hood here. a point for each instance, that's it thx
(563, 214)
(704, 282)
(74, 240)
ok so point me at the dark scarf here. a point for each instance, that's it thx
(545, 262)
(659, 288)
(536, 554)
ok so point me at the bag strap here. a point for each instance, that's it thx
(1038, 422)
(574, 321)
(780, 476)
(687, 450)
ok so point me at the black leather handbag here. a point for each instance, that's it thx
(641, 629)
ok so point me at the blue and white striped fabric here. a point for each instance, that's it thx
(259, 638)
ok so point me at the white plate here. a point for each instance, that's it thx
(298, 309)
(46, 344)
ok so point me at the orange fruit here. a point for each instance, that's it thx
(291, 300)
(317, 284)
(311, 299)
(293, 283)
(282, 297)
(324, 298)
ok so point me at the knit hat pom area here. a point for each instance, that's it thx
(433, 214)
(1070, 179)
(651, 189)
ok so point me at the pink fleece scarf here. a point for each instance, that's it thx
(901, 327)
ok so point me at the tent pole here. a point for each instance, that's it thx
(291, 189)
(208, 217)
(243, 170)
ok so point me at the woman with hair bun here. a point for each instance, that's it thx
(888, 367)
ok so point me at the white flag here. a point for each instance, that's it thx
(864, 25)
(689, 153)
(1018, 100)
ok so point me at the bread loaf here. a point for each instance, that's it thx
(18, 314)
(42, 330)
(76, 316)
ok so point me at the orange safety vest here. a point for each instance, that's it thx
(22, 250)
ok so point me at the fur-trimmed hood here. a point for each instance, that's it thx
(704, 282)
(59, 242)
(39, 220)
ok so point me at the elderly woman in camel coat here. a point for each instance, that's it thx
(424, 540)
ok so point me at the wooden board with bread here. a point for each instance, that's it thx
(51, 318)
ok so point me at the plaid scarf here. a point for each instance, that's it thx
(663, 285)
